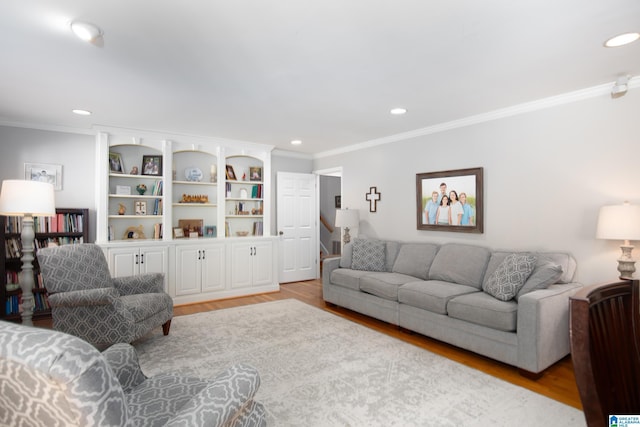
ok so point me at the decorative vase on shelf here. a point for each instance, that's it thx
(141, 189)
(121, 209)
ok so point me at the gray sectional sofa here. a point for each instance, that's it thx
(509, 306)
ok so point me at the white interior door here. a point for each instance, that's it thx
(296, 223)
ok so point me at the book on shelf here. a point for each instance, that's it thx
(60, 223)
(256, 191)
(257, 228)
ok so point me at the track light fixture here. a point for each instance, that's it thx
(620, 87)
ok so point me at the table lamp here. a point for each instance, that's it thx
(27, 199)
(346, 219)
(621, 222)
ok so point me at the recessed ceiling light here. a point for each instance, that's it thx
(296, 142)
(85, 31)
(398, 111)
(622, 39)
(82, 112)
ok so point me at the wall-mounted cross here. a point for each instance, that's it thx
(373, 197)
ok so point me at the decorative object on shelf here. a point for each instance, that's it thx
(347, 218)
(462, 208)
(178, 233)
(214, 174)
(242, 233)
(243, 193)
(141, 188)
(27, 199)
(43, 172)
(191, 225)
(210, 231)
(152, 165)
(134, 171)
(122, 209)
(123, 190)
(193, 174)
(115, 163)
(338, 202)
(194, 198)
(134, 232)
(373, 197)
(141, 208)
(255, 173)
(621, 222)
(231, 175)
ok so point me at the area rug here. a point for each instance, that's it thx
(318, 369)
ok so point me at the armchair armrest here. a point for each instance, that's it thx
(225, 400)
(142, 284)
(123, 360)
(100, 296)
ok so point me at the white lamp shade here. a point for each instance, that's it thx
(18, 198)
(347, 218)
(619, 222)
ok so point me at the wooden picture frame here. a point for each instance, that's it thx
(191, 225)
(231, 175)
(115, 163)
(44, 172)
(466, 184)
(152, 165)
(255, 173)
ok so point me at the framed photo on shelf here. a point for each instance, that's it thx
(152, 165)
(230, 173)
(450, 200)
(210, 231)
(178, 233)
(255, 173)
(191, 226)
(115, 163)
(44, 173)
(141, 208)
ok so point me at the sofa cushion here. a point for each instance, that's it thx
(347, 278)
(347, 254)
(392, 249)
(461, 264)
(543, 276)
(368, 255)
(505, 282)
(483, 309)
(385, 285)
(432, 295)
(415, 259)
(564, 260)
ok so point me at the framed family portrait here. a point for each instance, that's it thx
(450, 200)
(44, 173)
(152, 165)
(115, 163)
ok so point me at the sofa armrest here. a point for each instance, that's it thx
(543, 326)
(148, 283)
(328, 265)
(100, 296)
(226, 399)
(123, 361)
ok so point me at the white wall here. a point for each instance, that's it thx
(546, 174)
(75, 152)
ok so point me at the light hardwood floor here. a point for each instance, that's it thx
(558, 381)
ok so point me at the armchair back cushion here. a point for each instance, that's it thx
(77, 267)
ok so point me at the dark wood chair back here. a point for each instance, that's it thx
(604, 326)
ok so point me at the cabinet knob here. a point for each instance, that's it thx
(141, 258)
(281, 233)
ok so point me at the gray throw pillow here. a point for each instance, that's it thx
(509, 277)
(368, 255)
(542, 277)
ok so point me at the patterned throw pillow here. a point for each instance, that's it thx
(509, 277)
(368, 255)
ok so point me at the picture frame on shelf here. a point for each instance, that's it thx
(152, 165)
(115, 162)
(231, 175)
(44, 172)
(465, 185)
(178, 233)
(255, 173)
(191, 225)
(210, 231)
(140, 207)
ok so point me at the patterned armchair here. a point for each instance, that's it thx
(48, 378)
(86, 302)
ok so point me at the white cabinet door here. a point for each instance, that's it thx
(153, 260)
(131, 261)
(241, 265)
(188, 276)
(212, 265)
(262, 263)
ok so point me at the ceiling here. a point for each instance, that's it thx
(325, 72)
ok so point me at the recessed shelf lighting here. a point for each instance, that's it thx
(81, 112)
(296, 142)
(622, 39)
(398, 111)
(85, 31)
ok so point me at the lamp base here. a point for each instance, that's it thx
(347, 237)
(626, 265)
